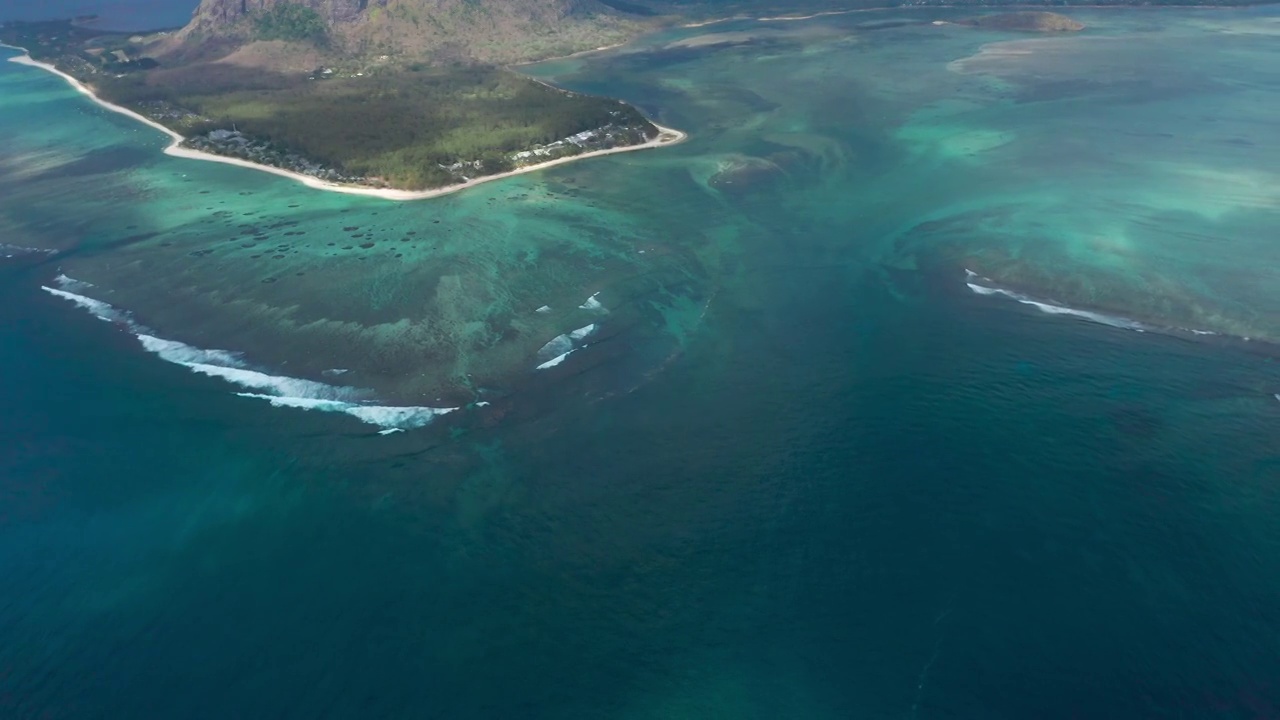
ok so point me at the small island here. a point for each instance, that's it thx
(1026, 21)
(292, 88)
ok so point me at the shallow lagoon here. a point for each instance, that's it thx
(1100, 171)
(802, 471)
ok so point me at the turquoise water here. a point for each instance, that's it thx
(800, 467)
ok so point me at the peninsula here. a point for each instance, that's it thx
(396, 98)
(184, 147)
(287, 88)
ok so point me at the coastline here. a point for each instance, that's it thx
(704, 23)
(793, 18)
(666, 136)
(580, 53)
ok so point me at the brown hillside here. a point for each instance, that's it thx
(487, 31)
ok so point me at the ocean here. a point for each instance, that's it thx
(933, 377)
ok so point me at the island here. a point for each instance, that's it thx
(401, 98)
(342, 96)
(394, 314)
(1026, 21)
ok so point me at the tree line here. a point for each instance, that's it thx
(403, 125)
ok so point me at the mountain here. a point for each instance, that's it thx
(439, 31)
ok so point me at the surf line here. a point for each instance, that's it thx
(974, 281)
(279, 390)
(666, 136)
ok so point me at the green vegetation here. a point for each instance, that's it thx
(395, 125)
(54, 39)
(401, 100)
(289, 21)
(402, 126)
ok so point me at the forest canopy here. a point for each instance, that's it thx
(397, 125)
(289, 21)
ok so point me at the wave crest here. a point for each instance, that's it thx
(279, 390)
(1053, 308)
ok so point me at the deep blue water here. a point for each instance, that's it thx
(939, 512)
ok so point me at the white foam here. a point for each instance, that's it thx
(591, 304)
(279, 390)
(390, 431)
(544, 309)
(384, 416)
(554, 361)
(1112, 320)
(69, 283)
(301, 403)
(1052, 309)
(558, 345)
(983, 290)
(100, 310)
(278, 385)
(555, 352)
(10, 251)
(183, 354)
(483, 403)
(393, 416)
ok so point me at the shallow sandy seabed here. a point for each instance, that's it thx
(1059, 170)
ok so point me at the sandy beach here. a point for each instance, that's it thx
(666, 136)
(780, 18)
(580, 53)
(704, 23)
(793, 18)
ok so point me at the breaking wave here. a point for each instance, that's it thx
(12, 251)
(554, 361)
(974, 282)
(279, 390)
(183, 354)
(559, 345)
(388, 417)
(562, 346)
(100, 310)
(67, 283)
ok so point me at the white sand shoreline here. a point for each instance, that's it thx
(580, 53)
(666, 136)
